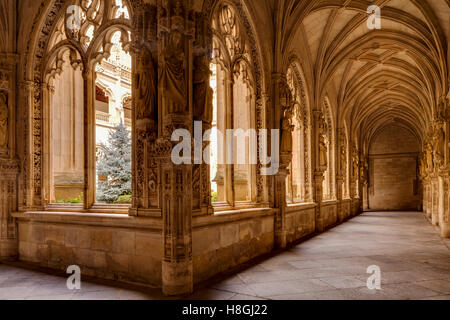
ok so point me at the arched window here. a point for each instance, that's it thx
(233, 164)
(299, 179)
(87, 75)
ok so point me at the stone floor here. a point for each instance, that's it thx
(414, 263)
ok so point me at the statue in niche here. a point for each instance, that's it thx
(323, 148)
(429, 154)
(173, 78)
(364, 170)
(439, 151)
(355, 164)
(422, 166)
(343, 156)
(203, 93)
(286, 132)
(4, 114)
(146, 88)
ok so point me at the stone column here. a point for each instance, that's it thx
(428, 199)
(435, 200)
(443, 204)
(339, 195)
(176, 31)
(9, 170)
(354, 172)
(319, 169)
(90, 155)
(318, 197)
(203, 96)
(424, 190)
(147, 125)
(26, 190)
(365, 192)
(280, 204)
(283, 106)
(9, 164)
(444, 221)
(47, 186)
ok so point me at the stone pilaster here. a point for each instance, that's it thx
(146, 171)
(435, 200)
(175, 96)
(9, 170)
(280, 204)
(339, 195)
(283, 105)
(9, 164)
(319, 169)
(203, 96)
(444, 205)
(26, 182)
(444, 221)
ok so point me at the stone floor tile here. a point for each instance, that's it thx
(414, 263)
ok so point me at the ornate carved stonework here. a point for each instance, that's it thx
(439, 141)
(323, 144)
(4, 128)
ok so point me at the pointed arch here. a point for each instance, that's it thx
(299, 182)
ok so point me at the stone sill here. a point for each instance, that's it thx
(221, 207)
(126, 221)
(90, 219)
(328, 203)
(294, 207)
(96, 208)
(231, 216)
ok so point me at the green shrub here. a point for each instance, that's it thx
(214, 197)
(77, 200)
(125, 199)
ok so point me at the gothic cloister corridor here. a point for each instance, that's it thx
(413, 259)
(273, 149)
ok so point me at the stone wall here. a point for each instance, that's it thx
(114, 247)
(219, 245)
(328, 213)
(130, 249)
(300, 221)
(393, 181)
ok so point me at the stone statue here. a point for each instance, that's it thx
(323, 148)
(342, 153)
(422, 166)
(355, 165)
(429, 150)
(173, 78)
(439, 150)
(343, 158)
(363, 170)
(4, 114)
(203, 93)
(286, 132)
(146, 88)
